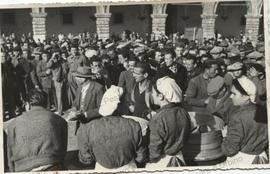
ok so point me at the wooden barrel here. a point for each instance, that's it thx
(204, 148)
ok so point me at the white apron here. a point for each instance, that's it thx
(164, 161)
(131, 166)
(242, 159)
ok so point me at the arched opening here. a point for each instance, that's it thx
(261, 25)
(183, 16)
(135, 18)
(231, 19)
(73, 20)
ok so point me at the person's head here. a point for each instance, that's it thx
(141, 71)
(90, 53)
(179, 50)
(210, 68)
(3, 57)
(45, 56)
(158, 55)
(216, 88)
(169, 57)
(165, 90)
(236, 69)
(16, 51)
(74, 50)
(37, 98)
(96, 64)
(190, 62)
(82, 75)
(131, 63)
(204, 58)
(161, 45)
(123, 55)
(105, 59)
(243, 92)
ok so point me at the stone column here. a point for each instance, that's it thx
(208, 25)
(252, 27)
(159, 20)
(39, 23)
(158, 24)
(103, 25)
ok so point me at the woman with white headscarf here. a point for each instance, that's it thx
(246, 138)
(169, 128)
(112, 141)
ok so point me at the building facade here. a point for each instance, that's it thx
(226, 18)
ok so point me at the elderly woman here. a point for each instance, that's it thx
(220, 104)
(169, 128)
(247, 137)
(113, 142)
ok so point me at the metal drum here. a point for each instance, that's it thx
(203, 146)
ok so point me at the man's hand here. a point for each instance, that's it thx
(48, 71)
(75, 115)
(131, 108)
(224, 131)
(206, 101)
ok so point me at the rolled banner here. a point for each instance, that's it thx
(143, 123)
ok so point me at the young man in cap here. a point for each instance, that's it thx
(220, 103)
(74, 61)
(196, 94)
(113, 142)
(169, 128)
(59, 69)
(127, 82)
(44, 73)
(37, 140)
(178, 70)
(247, 134)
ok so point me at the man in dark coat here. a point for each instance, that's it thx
(45, 75)
(178, 70)
(112, 131)
(88, 96)
(37, 140)
(74, 61)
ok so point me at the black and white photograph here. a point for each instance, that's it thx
(134, 86)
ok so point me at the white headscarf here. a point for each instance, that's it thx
(249, 87)
(169, 88)
(110, 100)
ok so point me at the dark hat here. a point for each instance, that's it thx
(56, 49)
(47, 47)
(83, 71)
(37, 50)
(180, 44)
(84, 45)
(223, 43)
(17, 48)
(215, 85)
(255, 55)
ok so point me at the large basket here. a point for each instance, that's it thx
(203, 147)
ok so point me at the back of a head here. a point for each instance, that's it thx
(37, 98)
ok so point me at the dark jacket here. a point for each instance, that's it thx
(92, 100)
(223, 109)
(180, 77)
(196, 93)
(127, 82)
(247, 132)
(112, 142)
(45, 79)
(169, 129)
(59, 70)
(36, 138)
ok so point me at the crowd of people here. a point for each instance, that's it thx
(157, 80)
